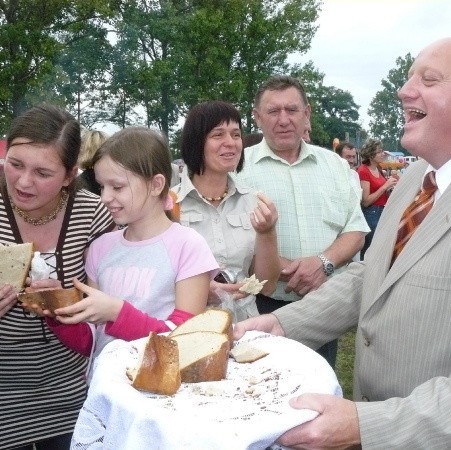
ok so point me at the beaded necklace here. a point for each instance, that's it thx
(215, 199)
(44, 219)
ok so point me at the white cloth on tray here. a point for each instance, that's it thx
(247, 411)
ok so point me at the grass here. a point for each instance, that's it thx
(345, 362)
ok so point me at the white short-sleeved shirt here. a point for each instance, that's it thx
(227, 229)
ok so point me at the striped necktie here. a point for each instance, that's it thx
(415, 213)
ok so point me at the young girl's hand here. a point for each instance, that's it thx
(264, 216)
(97, 307)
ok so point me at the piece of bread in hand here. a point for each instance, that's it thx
(49, 299)
(213, 319)
(203, 356)
(247, 353)
(158, 366)
(15, 261)
(252, 285)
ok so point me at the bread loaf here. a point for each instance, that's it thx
(203, 356)
(213, 319)
(202, 344)
(158, 366)
(15, 260)
(49, 299)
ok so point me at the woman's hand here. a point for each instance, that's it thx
(97, 307)
(218, 290)
(8, 298)
(390, 183)
(264, 216)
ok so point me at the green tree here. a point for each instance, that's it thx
(334, 112)
(181, 52)
(31, 34)
(385, 111)
(246, 42)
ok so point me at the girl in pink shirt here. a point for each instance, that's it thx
(151, 275)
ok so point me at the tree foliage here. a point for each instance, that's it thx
(31, 39)
(334, 112)
(179, 52)
(121, 60)
(385, 109)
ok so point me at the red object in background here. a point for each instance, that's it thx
(2, 154)
(2, 148)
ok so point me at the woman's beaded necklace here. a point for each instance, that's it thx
(44, 219)
(215, 199)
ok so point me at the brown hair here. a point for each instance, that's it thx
(143, 151)
(280, 83)
(369, 150)
(342, 145)
(48, 124)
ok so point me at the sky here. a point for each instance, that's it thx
(358, 41)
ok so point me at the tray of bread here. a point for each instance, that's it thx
(197, 389)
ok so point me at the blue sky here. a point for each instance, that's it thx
(358, 41)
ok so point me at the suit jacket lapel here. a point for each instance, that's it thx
(434, 226)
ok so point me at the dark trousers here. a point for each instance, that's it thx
(267, 305)
(55, 443)
(372, 215)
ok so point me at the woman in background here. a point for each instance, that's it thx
(238, 223)
(375, 186)
(42, 382)
(91, 140)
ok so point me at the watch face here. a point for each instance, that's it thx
(329, 268)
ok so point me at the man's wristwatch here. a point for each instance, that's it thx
(328, 266)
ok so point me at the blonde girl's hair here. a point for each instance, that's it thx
(91, 140)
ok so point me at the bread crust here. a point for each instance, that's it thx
(50, 299)
(212, 367)
(158, 371)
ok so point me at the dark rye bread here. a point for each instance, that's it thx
(49, 299)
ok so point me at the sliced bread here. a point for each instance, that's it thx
(158, 366)
(15, 261)
(203, 356)
(49, 299)
(213, 319)
(247, 353)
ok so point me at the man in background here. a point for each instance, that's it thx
(347, 151)
(321, 225)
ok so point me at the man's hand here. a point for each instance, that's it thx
(304, 275)
(336, 426)
(266, 322)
